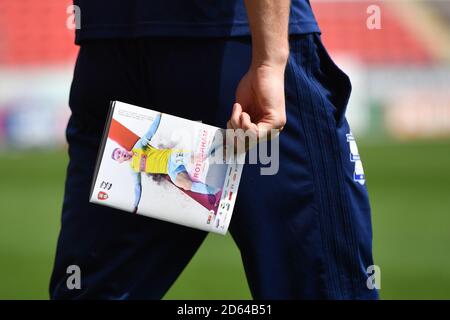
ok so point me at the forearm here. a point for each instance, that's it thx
(260, 102)
(145, 139)
(269, 21)
(137, 196)
(155, 124)
(137, 190)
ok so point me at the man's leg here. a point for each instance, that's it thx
(123, 255)
(304, 233)
(180, 177)
(182, 180)
(120, 255)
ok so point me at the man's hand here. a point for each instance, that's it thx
(260, 103)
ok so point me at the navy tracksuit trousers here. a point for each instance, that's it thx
(304, 233)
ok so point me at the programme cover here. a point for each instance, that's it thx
(166, 167)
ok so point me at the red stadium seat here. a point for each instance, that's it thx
(345, 31)
(35, 32)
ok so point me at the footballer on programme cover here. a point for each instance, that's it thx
(167, 168)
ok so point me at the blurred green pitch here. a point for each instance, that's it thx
(410, 194)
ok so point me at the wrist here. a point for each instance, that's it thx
(276, 59)
(268, 66)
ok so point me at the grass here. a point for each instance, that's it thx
(409, 184)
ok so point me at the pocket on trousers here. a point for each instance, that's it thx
(337, 81)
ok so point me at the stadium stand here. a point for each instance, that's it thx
(34, 32)
(441, 8)
(344, 27)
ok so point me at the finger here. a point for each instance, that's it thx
(267, 131)
(235, 116)
(263, 130)
(246, 123)
(250, 129)
(230, 138)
